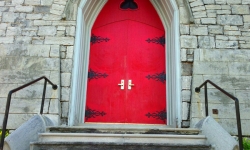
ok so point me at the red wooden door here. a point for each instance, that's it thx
(127, 43)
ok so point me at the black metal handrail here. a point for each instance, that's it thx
(237, 108)
(54, 86)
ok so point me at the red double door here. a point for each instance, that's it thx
(127, 78)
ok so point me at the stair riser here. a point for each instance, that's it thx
(116, 147)
(191, 140)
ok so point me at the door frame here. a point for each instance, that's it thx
(88, 10)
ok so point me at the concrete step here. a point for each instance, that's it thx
(124, 129)
(122, 138)
(113, 146)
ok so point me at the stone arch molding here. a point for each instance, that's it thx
(87, 12)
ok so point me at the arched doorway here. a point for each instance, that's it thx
(88, 10)
(127, 76)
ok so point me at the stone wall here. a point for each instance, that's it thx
(35, 40)
(220, 40)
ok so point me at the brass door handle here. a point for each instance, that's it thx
(130, 84)
(121, 84)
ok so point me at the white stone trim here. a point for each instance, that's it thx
(87, 13)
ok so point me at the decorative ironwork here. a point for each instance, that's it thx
(157, 40)
(158, 77)
(160, 115)
(98, 39)
(129, 4)
(96, 75)
(90, 113)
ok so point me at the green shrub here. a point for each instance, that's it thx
(246, 144)
(6, 133)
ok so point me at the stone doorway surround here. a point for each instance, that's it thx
(87, 12)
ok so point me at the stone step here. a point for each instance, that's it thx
(113, 146)
(124, 129)
(123, 138)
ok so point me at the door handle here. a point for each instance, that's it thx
(121, 84)
(130, 84)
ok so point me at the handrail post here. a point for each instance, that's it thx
(43, 98)
(238, 123)
(6, 115)
(206, 100)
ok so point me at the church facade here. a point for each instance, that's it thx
(139, 61)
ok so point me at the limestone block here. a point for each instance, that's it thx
(47, 31)
(54, 118)
(24, 106)
(200, 14)
(226, 44)
(246, 34)
(232, 32)
(59, 40)
(37, 40)
(5, 88)
(198, 30)
(13, 31)
(185, 110)
(240, 9)
(70, 51)
(222, 37)
(214, 97)
(196, 3)
(62, 2)
(65, 94)
(42, 23)
(188, 41)
(27, 9)
(208, 21)
(206, 2)
(183, 54)
(52, 17)
(243, 96)
(2, 33)
(41, 9)
(206, 42)
(61, 28)
(39, 50)
(234, 28)
(15, 120)
(211, 14)
(6, 40)
(29, 130)
(64, 23)
(34, 16)
(245, 2)
(13, 49)
(244, 45)
(186, 95)
(32, 2)
(220, 1)
(57, 9)
(65, 79)
(186, 82)
(54, 106)
(223, 12)
(3, 26)
(65, 109)
(63, 48)
(186, 69)
(39, 63)
(229, 81)
(246, 18)
(17, 2)
(234, 2)
(55, 51)
(210, 68)
(70, 31)
(239, 68)
(214, 29)
(9, 16)
(199, 8)
(46, 2)
(36, 91)
(226, 6)
(230, 20)
(29, 33)
(213, 7)
(54, 77)
(23, 40)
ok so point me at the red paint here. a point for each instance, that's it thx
(127, 56)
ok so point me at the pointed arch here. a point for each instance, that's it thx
(88, 10)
